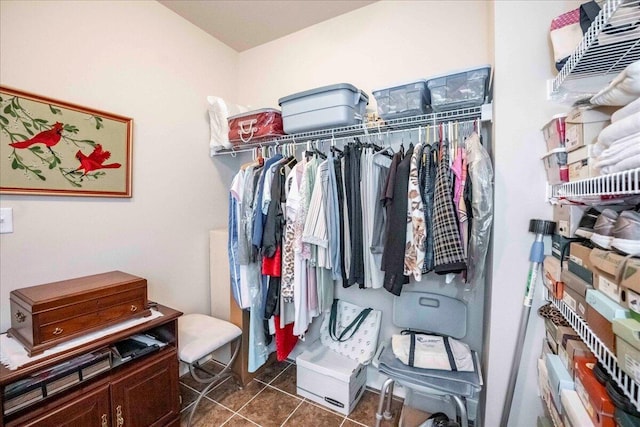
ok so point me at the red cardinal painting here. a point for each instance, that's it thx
(95, 160)
(48, 137)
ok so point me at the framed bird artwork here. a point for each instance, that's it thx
(51, 147)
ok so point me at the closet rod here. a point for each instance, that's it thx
(483, 113)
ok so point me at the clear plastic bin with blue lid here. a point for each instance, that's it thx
(403, 100)
(460, 89)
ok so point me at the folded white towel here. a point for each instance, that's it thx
(625, 165)
(599, 148)
(616, 154)
(623, 89)
(620, 129)
(626, 111)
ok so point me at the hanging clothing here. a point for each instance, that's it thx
(352, 155)
(449, 256)
(481, 176)
(393, 256)
(380, 167)
(232, 239)
(416, 232)
(375, 169)
(461, 203)
(330, 187)
(285, 340)
(427, 187)
(292, 206)
(337, 168)
(258, 217)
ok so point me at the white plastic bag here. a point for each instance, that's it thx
(432, 352)
(358, 339)
(219, 110)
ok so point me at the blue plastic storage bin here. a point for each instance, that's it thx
(463, 89)
(321, 108)
(403, 100)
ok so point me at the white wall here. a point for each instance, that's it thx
(523, 64)
(376, 46)
(137, 59)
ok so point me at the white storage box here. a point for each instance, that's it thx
(462, 89)
(581, 164)
(568, 218)
(555, 163)
(582, 126)
(403, 100)
(554, 134)
(330, 379)
(324, 107)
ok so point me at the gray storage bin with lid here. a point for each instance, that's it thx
(461, 89)
(403, 100)
(322, 108)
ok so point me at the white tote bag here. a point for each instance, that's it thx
(351, 330)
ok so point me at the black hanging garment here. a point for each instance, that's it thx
(395, 242)
(354, 209)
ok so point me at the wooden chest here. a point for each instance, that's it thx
(45, 315)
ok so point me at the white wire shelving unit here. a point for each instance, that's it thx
(611, 43)
(596, 190)
(630, 387)
(481, 113)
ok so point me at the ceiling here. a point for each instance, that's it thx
(243, 24)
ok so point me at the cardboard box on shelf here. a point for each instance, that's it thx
(593, 395)
(581, 164)
(567, 218)
(627, 333)
(582, 126)
(601, 311)
(631, 275)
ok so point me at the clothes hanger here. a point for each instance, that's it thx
(333, 147)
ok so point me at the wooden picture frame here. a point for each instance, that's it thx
(51, 147)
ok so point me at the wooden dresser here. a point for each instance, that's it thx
(139, 393)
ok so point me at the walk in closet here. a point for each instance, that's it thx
(142, 60)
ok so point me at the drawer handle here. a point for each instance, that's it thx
(134, 308)
(57, 331)
(119, 419)
(20, 317)
(104, 420)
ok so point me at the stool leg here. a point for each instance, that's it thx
(383, 394)
(217, 379)
(462, 409)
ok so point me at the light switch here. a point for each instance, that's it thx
(6, 220)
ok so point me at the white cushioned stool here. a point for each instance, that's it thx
(200, 335)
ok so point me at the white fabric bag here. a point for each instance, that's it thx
(351, 330)
(219, 110)
(432, 352)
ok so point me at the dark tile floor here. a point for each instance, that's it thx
(270, 400)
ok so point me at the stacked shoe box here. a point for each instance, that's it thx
(582, 127)
(560, 346)
(592, 394)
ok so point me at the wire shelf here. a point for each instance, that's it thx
(615, 185)
(467, 114)
(611, 43)
(630, 388)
